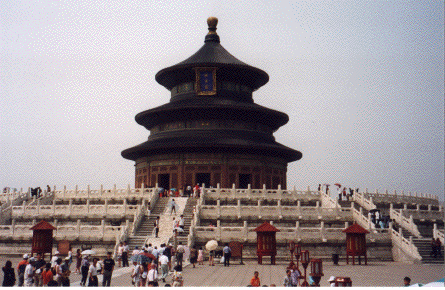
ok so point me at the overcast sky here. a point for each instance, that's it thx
(361, 81)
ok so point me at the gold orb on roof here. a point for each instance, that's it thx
(212, 22)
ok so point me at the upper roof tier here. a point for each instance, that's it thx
(212, 54)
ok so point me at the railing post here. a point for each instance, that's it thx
(38, 207)
(78, 228)
(70, 207)
(106, 207)
(218, 230)
(88, 205)
(238, 208)
(299, 207)
(245, 231)
(259, 209)
(12, 227)
(346, 225)
(218, 208)
(280, 214)
(24, 207)
(234, 190)
(429, 207)
(54, 207)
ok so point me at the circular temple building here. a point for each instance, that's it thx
(211, 131)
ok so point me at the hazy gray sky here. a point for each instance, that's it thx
(362, 83)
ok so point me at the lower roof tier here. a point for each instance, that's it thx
(209, 142)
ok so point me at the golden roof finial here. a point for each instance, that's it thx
(212, 22)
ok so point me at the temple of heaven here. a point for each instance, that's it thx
(211, 131)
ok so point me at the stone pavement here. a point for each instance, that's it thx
(374, 274)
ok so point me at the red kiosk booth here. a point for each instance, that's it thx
(266, 242)
(356, 243)
(42, 238)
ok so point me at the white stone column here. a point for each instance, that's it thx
(238, 208)
(218, 230)
(88, 205)
(218, 208)
(429, 207)
(280, 213)
(70, 207)
(54, 206)
(233, 190)
(106, 206)
(245, 231)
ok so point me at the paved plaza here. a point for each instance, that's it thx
(374, 274)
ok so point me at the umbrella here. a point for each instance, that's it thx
(326, 184)
(179, 230)
(211, 245)
(88, 252)
(337, 184)
(438, 283)
(149, 255)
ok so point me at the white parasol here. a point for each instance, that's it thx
(88, 252)
(211, 245)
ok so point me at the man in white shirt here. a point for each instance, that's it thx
(181, 222)
(179, 254)
(136, 274)
(163, 261)
(29, 273)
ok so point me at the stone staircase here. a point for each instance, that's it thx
(424, 247)
(146, 228)
(188, 216)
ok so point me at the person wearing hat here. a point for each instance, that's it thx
(54, 259)
(29, 273)
(332, 281)
(21, 270)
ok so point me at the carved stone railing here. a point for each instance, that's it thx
(327, 201)
(196, 217)
(138, 218)
(270, 194)
(404, 222)
(74, 210)
(405, 245)
(364, 201)
(361, 219)
(312, 234)
(103, 193)
(429, 214)
(438, 233)
(274, 212)
(71, 232)
(387, 197)
(8, 196)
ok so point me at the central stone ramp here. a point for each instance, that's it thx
(146, 228)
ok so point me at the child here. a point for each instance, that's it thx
(255, 281)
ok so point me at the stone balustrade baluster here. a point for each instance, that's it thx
(38, 207)
(259, 209)
(218, 230)
(218, 208)
(70, 207)
(417, 207)
(88, 205)
(106, 207)
(249, 189)
(245, 231)
(297, 230)
(280, 214)
(78, 228)
(238, 208)
(346, 225)
(114, 189)
(429, 207)
(298, 207)
(128, 190)
(233, 190)
(54, 206)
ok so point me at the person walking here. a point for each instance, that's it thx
(47, 275)
(120, 250)
(92, 274)
(156, 224)
(21, 270)
(153, 276)
(163, 262)
(29, 273)
(179, 254)
(8, 275)
(136, 274)
(125, 251)
(108, 270)
(84, 268)
(200, 256)
(227, 253)
(211, 257)
(39, 267)
(181, 223)
(193, 256)
(78, 261)
(173, 206)
(295, 276)
(287, 279)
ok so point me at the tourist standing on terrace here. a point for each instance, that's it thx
(92, 273)
(227, 253)
(255, 281)
(8, 275)
(108, 270)
(78, 261)
(84, 267)
(125, 251)
(120, 250)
